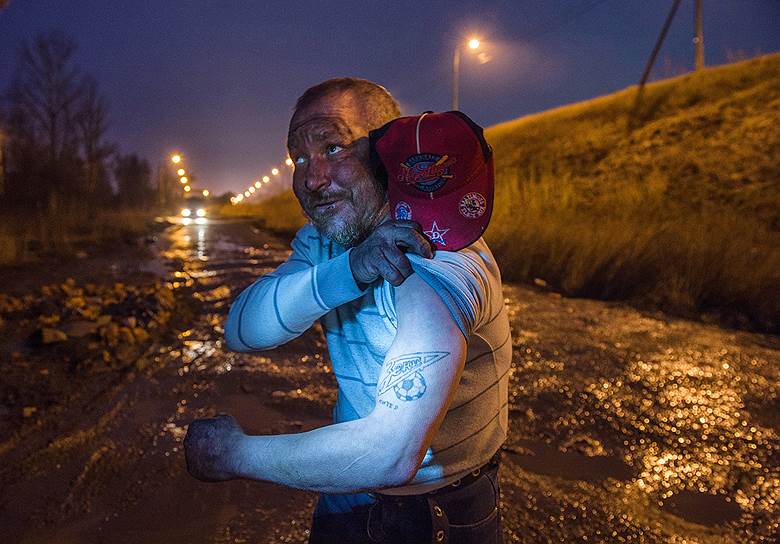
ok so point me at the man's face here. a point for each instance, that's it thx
(328, 143)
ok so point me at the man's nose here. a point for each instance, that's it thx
(317, 174)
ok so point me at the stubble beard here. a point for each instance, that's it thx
(349, 231)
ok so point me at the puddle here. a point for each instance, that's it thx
(543, 458)
(703, 508)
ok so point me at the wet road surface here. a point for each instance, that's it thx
(625, 426)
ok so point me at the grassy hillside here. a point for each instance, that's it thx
(673, 202)
(280, 213)
(670, 202)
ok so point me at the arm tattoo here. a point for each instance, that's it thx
(404, 374)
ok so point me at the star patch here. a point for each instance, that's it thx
(436, 234)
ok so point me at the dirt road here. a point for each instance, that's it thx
(625, 427)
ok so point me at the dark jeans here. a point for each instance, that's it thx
(462, 514)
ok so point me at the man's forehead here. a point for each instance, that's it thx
(319, 127)
(337, 113)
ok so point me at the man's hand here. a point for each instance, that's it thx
(210, 448)
(382, 255)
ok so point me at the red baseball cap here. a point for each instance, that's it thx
(439, 172)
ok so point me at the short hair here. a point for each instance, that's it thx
(379, 105)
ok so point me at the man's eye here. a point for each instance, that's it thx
(333, 149)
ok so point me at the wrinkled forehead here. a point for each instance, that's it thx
(334, 115)
(318, 129)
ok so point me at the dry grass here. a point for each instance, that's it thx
(25, 237)
(673, 204)
(280, 213)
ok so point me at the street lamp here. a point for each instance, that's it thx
(473, 44)
(184, 179)
(180, 171)
(187, 188)
(275, 171)
(206, 192)
(266, 179)
(176, 159)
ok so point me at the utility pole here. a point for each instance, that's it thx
(698, 39)
(658, 44)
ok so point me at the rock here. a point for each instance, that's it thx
(50, 336)
(103, 320)
(126, 336)
(44, 320)
(110, 334)
(79, 328)
(140, 334)
(90, 311)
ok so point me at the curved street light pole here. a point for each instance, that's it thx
(473, 43)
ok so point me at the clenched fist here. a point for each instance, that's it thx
(210, 448)
(382, 253)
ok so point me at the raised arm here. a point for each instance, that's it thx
(283, 304)
(421, 371)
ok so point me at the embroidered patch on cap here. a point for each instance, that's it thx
(426, 171)
(472, 205)
(403, 211)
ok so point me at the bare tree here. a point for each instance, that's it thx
(92, 124)
(133, 176)
(44, 97)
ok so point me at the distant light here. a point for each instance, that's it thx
(247, 193)
(266, 179)
(288, 161)
(176, 159)
(473, 43)
(180, 171)
(257, 184)
(187, 188)
(206, 192)
(201, 212)
(275, 171)
(201, 221)
(186, 212)
(239, 197)
(252, 189)
(184, 179)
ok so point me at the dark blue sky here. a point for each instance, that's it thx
(217, 79)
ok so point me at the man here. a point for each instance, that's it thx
(419, 343)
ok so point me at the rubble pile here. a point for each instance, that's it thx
(111, 323)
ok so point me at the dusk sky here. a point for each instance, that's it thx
(217, 80)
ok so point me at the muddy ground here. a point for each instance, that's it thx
(625, 426)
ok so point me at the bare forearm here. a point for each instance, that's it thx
(343, 458)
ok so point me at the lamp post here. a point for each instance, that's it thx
(473, 43)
